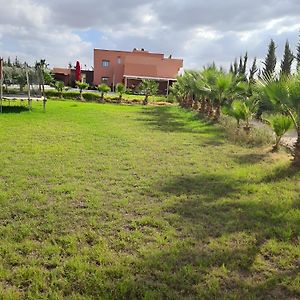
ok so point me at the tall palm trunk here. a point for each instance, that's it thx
(203, 106)
(276, 146)
(208, 107)
(196, 105)
(217, 112)
(297, 151)
(190, 102)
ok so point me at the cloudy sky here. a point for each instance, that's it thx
(199, 31)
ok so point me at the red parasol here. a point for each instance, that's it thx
(78, 71)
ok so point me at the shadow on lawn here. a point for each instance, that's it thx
(166, 119)
(282, 173)
(229, 228)
(14, 109)
(251, 158)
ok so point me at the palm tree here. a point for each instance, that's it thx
(280, 124)
(207, 80)
(59, 86)
(184, 87)
(120, 89)
(221, 90)
(103, 88)
(177, 91)
(243, 110)
(82, 86)
(148, 88)
(285, 94)
(235, 111)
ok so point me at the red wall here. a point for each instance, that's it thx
(135, 63)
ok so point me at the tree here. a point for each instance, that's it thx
(235, 67)
(19, 76)
(280, 124)
(298, 55)
(284, 93)
(82, 86)
(252, 72)
(248, 108)
(244, 69)
(235, 111)
(148, 88)
(240, 70)
(59, 86)
(270, 61)
(287, 60)
(103, 89)
(221, 90)
(120, 89)
(41, 68)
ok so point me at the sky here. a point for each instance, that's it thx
(199, 31)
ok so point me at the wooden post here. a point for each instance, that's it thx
(1, 83)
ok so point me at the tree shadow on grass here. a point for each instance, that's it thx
(166, 119)
(252, 158)
(14, 109)
(209, 186)
(282, 173)
(229, 230)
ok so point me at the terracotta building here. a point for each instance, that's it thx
(112, 67)
(67, 75)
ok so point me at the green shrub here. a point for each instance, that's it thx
(90, 96)
(52, 94)
(258, 136)
(71, 95)
(171, 98)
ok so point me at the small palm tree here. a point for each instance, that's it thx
(103, 89)
(148, 88)
(82, 86)
(280, 124)
(248, 109)
(285, 95)
(59, 86)
(235, 111)
(221, 89)
(120, 89)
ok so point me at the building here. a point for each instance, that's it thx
(112, 67)
(67, 76)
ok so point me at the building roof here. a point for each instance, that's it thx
(64, 71)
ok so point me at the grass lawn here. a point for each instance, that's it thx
(132, 202)
(130, 97)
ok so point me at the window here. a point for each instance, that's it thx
(105, 63)
(105, 80)
(119, 60)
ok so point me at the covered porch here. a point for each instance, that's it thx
(164, 84)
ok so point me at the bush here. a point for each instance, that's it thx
(71, 95)
(171, 99)
(52, 94)
(259, 135)
(89, 96)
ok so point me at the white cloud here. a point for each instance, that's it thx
(199, 31)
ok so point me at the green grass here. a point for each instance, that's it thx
(95, 96)
(132, 202)
(130, 97)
